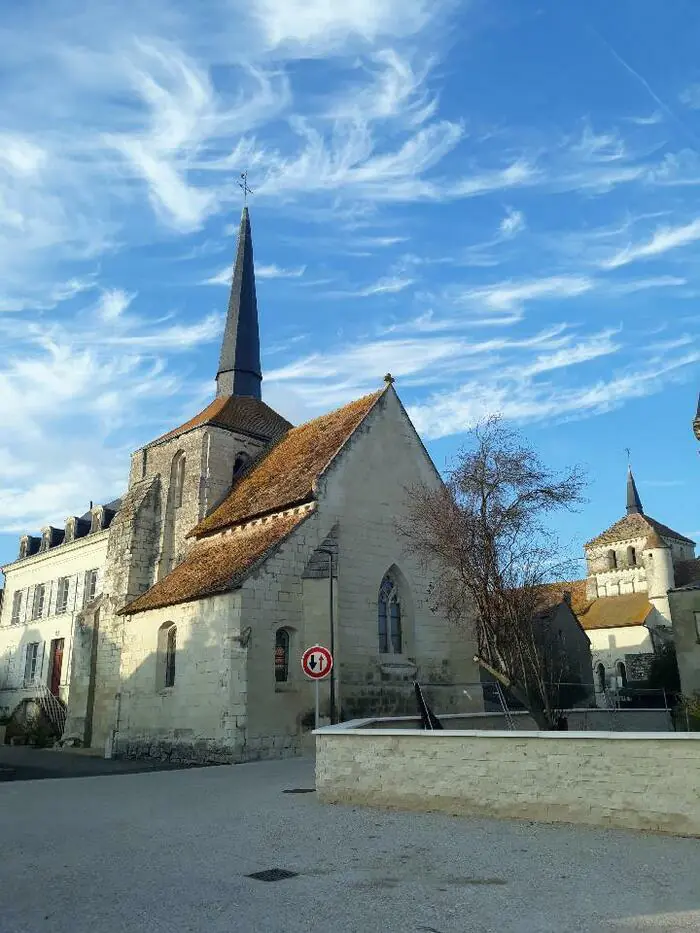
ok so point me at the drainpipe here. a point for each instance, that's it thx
(331, 646)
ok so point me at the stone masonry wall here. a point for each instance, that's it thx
(648, 782)
(202, 717)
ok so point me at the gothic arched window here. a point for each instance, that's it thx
(167, 650)
(389, 617)
(621, 671)
(178, 479)
(281, 655)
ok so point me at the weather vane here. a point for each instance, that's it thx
(244, 185)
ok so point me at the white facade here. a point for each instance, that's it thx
(70, 574)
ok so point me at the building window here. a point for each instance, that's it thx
(62, 595)
(90, 586)
(600, 678)
(16, 607)
(621, 672)
(389, 617)
(178, 475)
(240, 463)
(632, 556)
(167, 650)
(612, 560)
(696, 614)
(30, 662)
(281, 655)
(38, 601)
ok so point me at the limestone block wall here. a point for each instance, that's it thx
(365, 492)
(631, 781)
(71, 561)
(202, 716)
(685, 609)
(610, 645)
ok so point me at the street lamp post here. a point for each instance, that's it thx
(331, 646)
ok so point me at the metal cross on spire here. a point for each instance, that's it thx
(629, 456)
(244, 185)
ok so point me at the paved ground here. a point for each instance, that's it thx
(169, 852)
(21, 763)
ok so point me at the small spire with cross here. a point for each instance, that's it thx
(244, 185)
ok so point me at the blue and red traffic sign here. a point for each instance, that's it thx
(317, 662)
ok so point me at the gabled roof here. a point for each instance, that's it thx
(236, 413)
(218, 564)
(636, 525)
(616, 611)
(287, 474)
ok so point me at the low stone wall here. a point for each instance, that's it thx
(587, 720)
(628, 780)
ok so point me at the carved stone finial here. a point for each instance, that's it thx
(389, 379)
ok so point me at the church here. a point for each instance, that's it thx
(623, 604)
(171, 621)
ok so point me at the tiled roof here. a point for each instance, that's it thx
(236, 413)
(218, 564)
(636, 525)
(615, 611)
(553, 594)
(286, 475)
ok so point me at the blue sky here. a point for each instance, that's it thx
(495, 201)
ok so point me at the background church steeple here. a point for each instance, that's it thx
(239, 370)
(634, 503)
(696, 422)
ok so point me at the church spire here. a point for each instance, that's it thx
(696, 423)
(634, 503)
(239, 370)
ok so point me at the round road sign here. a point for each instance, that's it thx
(317, 662)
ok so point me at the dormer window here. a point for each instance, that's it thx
(70, 531)
(96, 522)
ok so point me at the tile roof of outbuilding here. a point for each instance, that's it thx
(235, 413)
(615, 611)
(636, 525)
(286, 475)
(219, 563)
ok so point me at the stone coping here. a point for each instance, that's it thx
(359, 727)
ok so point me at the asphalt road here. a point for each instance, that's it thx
(170, 851)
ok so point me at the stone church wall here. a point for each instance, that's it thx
(366, 492)
(201, 717)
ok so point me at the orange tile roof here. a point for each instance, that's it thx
(287, 474)
(615, 611)
(635, 525)
(218, 564)
(235, 413)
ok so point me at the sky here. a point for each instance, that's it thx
(497, 201)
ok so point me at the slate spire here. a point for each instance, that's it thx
(239, 370)
(634, 503)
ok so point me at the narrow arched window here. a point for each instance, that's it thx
(240, 463)
(632, 556)
(389, 617)
(281, 655)
(178, 479)
(621, 671)
(600, 677)
(612, 560)
(166, 658)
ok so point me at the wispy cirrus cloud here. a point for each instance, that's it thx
(663, 240)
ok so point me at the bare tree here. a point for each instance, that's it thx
(482, 536)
